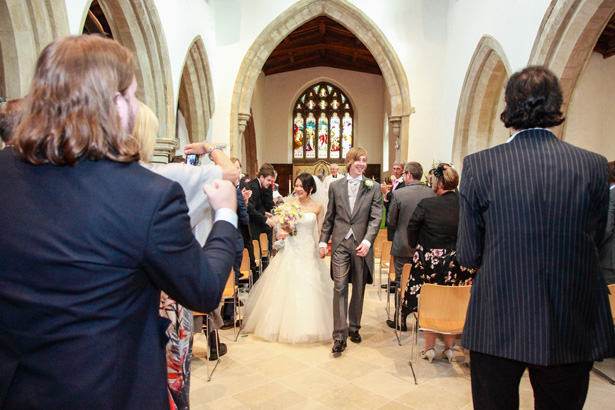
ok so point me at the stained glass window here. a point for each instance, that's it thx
(322, 124)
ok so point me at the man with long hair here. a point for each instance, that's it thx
(90, 238)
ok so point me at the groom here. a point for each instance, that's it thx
(353, 218)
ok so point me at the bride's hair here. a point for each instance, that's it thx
(307, 182)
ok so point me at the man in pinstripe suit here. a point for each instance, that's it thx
(532, 213)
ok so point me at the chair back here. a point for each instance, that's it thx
(612, 301)
(385, 254)
(264, 244)
(382, 235)
(229, 289)
(392, 268)
(442, 309)
(405, 275)
(245, 264)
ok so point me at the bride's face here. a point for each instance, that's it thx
(301, 194)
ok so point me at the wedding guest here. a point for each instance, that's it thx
(397, 182)
(607, 247)
(260, 205)
(115, 233)
(533, 211)
(432, 230)
(191, 178)
(334, 169)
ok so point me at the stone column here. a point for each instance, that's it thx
(162, 150)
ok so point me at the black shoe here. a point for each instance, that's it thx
(228, 324)
(339, 346)
(393, 285)
(222, 349)
(355, 337)
(393, 324)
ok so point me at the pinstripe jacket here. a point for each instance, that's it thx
(532, 213)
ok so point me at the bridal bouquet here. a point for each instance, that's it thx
(288, 216)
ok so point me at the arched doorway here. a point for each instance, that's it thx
(481, 101)
(298, 14)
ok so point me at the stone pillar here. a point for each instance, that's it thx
(162, 150)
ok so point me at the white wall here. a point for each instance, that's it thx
(280, 91)
(591, 114)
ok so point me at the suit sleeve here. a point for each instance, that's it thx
(415, 224)
(393, 213)
(610, 222)
(327, 225)
(177, 264)
(471, 231)
(253, 204)
(375, 217)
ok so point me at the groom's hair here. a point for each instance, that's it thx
(353, 155)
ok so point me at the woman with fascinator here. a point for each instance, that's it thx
(433, 231)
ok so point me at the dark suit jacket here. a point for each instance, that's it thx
(387, 204)
(607, 247)
(260, 202)
(84, 252)
(532, 214)
(400, 211)
(434, 222)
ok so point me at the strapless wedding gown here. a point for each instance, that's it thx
(292, 302)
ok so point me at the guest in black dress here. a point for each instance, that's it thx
(433, 230)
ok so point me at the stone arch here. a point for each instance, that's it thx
(359, 24)
(567, 36)
(196, 93)
(481, 94)
(26, 27)
(136, 25)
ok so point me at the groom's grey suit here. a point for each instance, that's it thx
(346, 266)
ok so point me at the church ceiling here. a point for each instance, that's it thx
(606, 42)
(321, 42)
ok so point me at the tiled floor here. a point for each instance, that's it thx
(372, 375)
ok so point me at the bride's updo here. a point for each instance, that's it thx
(307, 182)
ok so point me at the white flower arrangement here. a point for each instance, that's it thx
(368, 184)
(288, 216)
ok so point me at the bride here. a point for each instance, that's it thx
(292, 302)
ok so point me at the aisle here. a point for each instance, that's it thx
(372, 375)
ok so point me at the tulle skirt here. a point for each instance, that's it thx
(292, 302)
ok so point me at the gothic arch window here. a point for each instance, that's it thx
(322, 125)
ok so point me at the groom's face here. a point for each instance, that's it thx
(358, 166)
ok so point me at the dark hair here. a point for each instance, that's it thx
(533, 99)
(265, 171)
(70, 112)
(612, 172)
(10, 113)
(446, 175)
(307, 181)
(415, 169)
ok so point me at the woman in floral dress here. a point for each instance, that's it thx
(433, 230)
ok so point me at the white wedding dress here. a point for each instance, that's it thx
(292, 302)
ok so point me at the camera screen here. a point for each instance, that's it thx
(191, 159)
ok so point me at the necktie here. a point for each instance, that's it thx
(353, 188)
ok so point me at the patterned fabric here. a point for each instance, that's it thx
(179, 351)
(438, 266)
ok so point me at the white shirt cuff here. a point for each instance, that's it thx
(322, 244)
(366, 242)
(226, 214)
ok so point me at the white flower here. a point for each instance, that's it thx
(368, 184)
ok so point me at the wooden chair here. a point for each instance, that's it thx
(399, 297)
(385, 260)
(231, 292)
(264, 245)
(257, 256)
(381, 237)
(245, 271)
(441, 309)
(390, 279)
(612, 303)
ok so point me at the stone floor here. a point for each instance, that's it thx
(372, 375)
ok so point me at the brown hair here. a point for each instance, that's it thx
(266, 171)
(70, 112)
(10, 113)
(353, 155)
(447, 176)
(612, 172)
(146, 129)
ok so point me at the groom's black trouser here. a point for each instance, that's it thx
(347, 267)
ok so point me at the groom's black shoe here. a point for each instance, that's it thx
(339, 346)
(355, 337)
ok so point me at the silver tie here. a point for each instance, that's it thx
(353, 189)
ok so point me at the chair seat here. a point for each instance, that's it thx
(442, 325)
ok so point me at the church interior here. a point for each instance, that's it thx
(296, 84)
